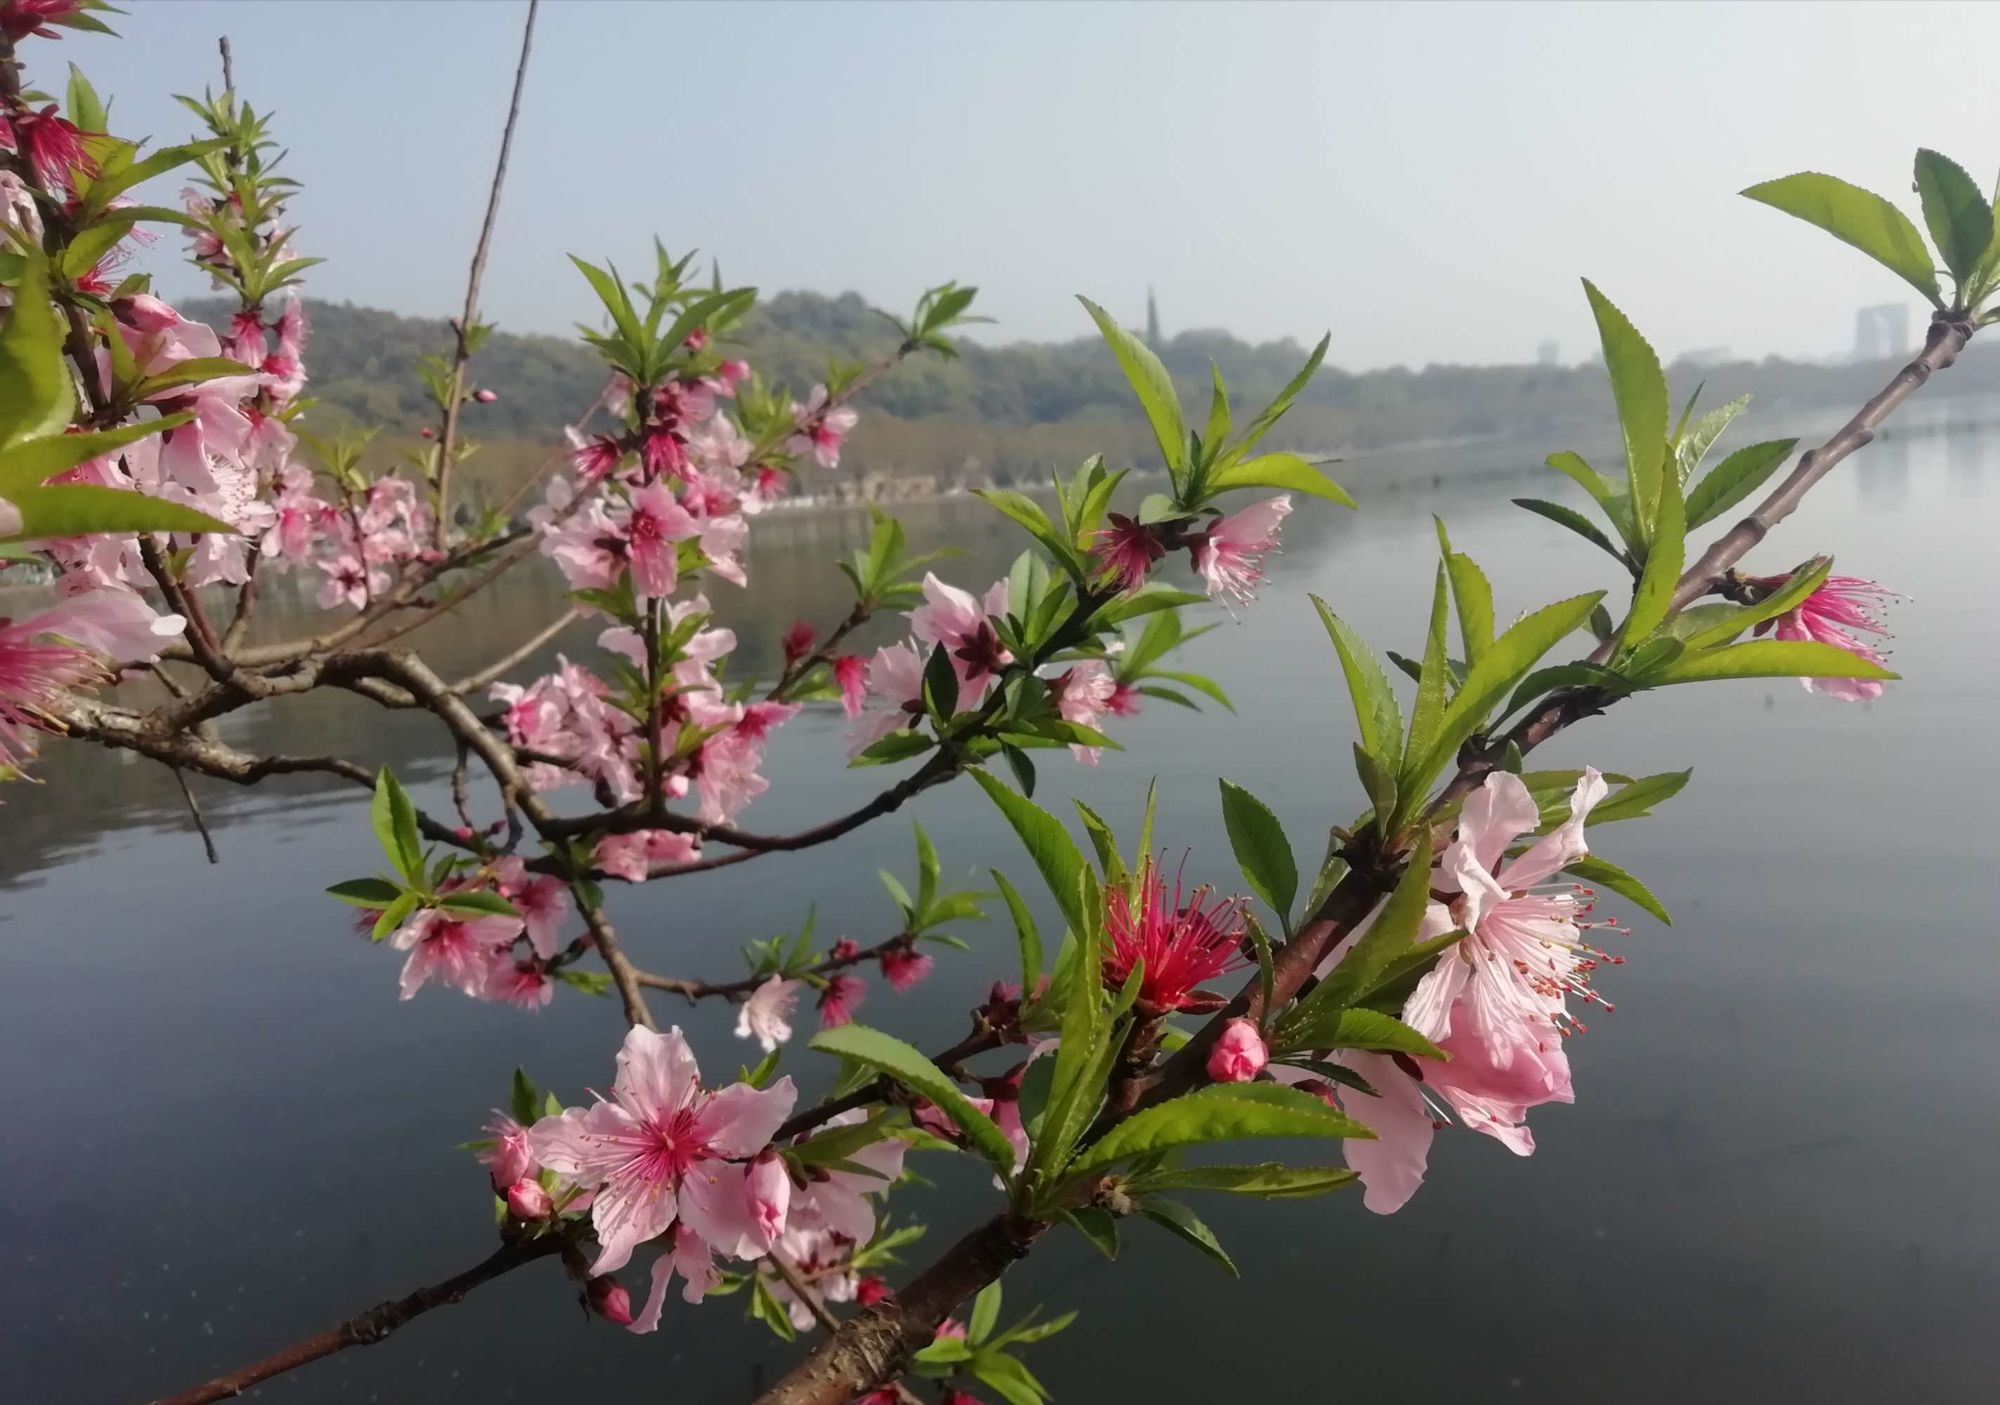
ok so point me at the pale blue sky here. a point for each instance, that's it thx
(1425, 180)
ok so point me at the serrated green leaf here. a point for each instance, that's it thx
(1271, 1180)
(34, 461)
(1955, 211)
(1606, 874)
(79, 509)
(1054, 853)
(1100, 1227)
(1151, 383)
(1654, 595)
(1857, 217)
(1377, 717)
(1767, 658)
(1292, 472)
(913, 1070)
(1735, 479)
(1186, 1224)
(1261, 849)
(37, 397)
(375, 893)
(1639, 389)
(1219, 1112)
(1353, 1028)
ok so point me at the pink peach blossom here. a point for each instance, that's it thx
(1230, 554)
(767, 1015)
(1838, 612)
(663, 1148)
(457, 950)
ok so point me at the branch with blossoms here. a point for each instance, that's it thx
(1434, 970)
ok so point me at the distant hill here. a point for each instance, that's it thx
(1010, 411)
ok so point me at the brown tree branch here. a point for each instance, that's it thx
(372, 1326)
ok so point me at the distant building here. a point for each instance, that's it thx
(1881, 332)
(1548, 353)
(1152, 319)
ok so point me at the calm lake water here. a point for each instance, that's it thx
(223, 1132)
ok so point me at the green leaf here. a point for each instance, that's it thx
(1217, 1113)
(1006, 1376)
(1691, 448)
(1572, 466)
(1735, 479)
(395, 821)
(1507, 663)
(1767, 658)
(82, 104)
(1026, 511)
(1432, 677)
(1262, 851)
(523, 1098)
(1473, 597)
(1640, 391)
(1569, 517)
(1654, 595)
(1271, 1181)
(839, 1143)
(1388, 938)
(395, 915)
(985, 1313)
(1048, 844)
(1377, 717)
(1185, 1224)
(1636, 799)
(1956, 213)
(1606, 874)
(486, 904)
(1100, 1227)
(1290, 471)
(1858, 217)
(1151, 383)
(1281, 402)
(1734, 621)
(940, 687)
(1103, 842)
(37, 397)
(78, 509)
(193, 371)
(914, 1071)
(1354, 1028)
(35, 461)
(1024, 930)
(375, 893)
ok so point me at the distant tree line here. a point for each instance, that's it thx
(1006, 413)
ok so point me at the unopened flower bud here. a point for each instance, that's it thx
(485, 396)
(1239, 1055)
(871, 1290)
(610, 1301)
(426, 433)
(144, 313)
(526, 1200)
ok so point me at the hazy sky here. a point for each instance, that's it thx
(1427, 181)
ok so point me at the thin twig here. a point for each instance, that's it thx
(448, 432)
(194, 813)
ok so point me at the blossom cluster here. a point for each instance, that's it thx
(666, 1160)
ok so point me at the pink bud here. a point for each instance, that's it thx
(463, 834)
(512, 1160)
(610, 1301)
(426, 433)
(871, 1290)
(1239, 1055)
(526, 1200)
(485, 396)
(143, 312)
(955, 1396)
(768, 1189)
